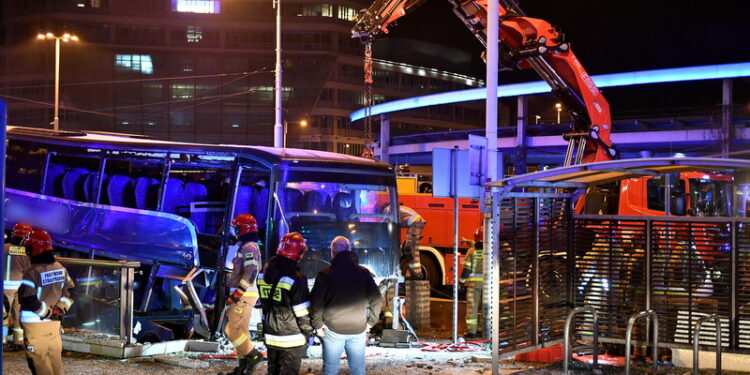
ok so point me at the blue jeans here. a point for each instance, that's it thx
(334, 343)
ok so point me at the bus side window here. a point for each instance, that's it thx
(68, 176)
(25, 164)
(131, 183)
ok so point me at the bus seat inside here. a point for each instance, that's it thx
(89, 186)
(242, 200)
(120, 191)
(146, 193)
(174, 196)
(53, 180)
(72, 185)
(343, 206)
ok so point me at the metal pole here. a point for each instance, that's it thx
(454, 193)
(385, 137)
(278, 127)
(490, 125)
(285, 131)
(566, 336)
(726, 118)
(56, 119)
(697, 340)
(3, 122)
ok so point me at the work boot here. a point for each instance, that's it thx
(239, 370)
(252, 360)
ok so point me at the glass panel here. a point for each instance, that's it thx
(96, 300)
(324, 210)
(709, 197)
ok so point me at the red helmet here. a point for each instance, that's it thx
(22, 231)
(292, 246)
(40, 242)
(244, 224)
(479, 234)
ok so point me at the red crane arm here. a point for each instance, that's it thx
(525, 43)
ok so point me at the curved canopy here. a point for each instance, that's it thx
(582, 175)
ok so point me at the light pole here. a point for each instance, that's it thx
(302, 123)
(65, 38)
(559, 109)
(537, 118)
(279, 128)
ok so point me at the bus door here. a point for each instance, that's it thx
(251, 196)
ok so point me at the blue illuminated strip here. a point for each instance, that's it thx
(694, 73)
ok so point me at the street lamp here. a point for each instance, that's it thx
(537, 117)
(278, 116)
(559, 109)
(65, 38)
(302, 124)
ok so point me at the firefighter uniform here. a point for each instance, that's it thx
(284, 296)
(414, 223)
(244, 274)
(472, 276)
(16, 262)
(45, 297)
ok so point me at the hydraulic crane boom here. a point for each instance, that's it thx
(526, 43)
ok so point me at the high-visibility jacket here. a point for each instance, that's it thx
(473, 270)
(16, 261)
(45, 284)
(246, 265)
(285, 298)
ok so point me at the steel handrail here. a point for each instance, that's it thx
(697, 339)
(568, 322)
(629, 336)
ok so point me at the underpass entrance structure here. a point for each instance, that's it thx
(547, 259)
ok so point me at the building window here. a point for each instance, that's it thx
(134, 63)
(346, 13)
(317, 10)
(196, 6)
(194, 34)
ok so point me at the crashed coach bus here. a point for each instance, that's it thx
(168, 205)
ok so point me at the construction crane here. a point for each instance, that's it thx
(525, 43)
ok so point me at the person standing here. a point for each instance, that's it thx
(44, 295)
(285, 299)
(243, 293)
(414, 224)
(472, 277)
(16, 262)
(345, 303)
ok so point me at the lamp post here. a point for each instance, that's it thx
(279, 127)
(302, 123)
(65, 38)
(537, 118)
(559, 109)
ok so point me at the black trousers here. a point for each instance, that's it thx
(285, 361)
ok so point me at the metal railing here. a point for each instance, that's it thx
(697, 339)
(566, 344)
(629, 336)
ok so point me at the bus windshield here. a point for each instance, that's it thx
(709, 197)
(321, 211)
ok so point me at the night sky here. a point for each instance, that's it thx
(612, 36)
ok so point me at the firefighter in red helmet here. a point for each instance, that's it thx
(243, 293)
(472, 276)
(16, 261)
(45, 298)
(284, 296)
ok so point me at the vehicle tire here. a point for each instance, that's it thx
(431, 271)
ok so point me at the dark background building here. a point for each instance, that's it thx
(202, 71)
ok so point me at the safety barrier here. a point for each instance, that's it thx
(629, 335)
(697, 339)
(566, 335)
